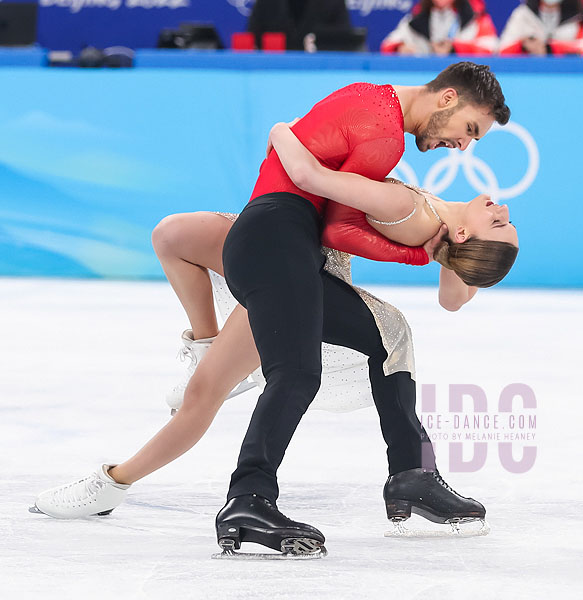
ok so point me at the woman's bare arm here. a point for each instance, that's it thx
(453, 292)
(350, 189)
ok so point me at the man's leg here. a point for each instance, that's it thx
(272, 263)
(414, 484)
(348, 322)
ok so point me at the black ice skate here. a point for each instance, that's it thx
(252, 518)
(425, 493)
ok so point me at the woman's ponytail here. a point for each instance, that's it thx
(479, 263)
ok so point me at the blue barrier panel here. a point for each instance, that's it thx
(251, 61)
(23, 57)
(92, 160)
(339, 61)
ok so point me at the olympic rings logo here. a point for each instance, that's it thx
(476, 171)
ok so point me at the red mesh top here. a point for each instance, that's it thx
(358, 129)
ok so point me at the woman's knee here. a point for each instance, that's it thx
(201, 391)
(196, 238)
(166, 235)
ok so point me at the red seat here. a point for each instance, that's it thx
(242, 41)
(273, 41)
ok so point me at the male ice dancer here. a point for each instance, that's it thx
(272, 263)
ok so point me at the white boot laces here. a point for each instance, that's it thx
(183, 354)
(187, 353)
(81, 491)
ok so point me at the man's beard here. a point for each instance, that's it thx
(437, 121)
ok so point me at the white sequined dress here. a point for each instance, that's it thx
(345, 380)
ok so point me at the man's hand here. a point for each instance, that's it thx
(432, 244)
(270, 144)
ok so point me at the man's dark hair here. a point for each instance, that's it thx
(475, 84)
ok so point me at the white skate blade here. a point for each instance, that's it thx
(243, 387)
(288, 553)
(37, 511)
(422, 529)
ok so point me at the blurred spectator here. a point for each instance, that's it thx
(544, 27)
(444, 27)
(297, 19)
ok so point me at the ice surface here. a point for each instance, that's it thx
(85, 366)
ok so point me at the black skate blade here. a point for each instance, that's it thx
(291, 549)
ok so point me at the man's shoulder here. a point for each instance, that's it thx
(361, 94)
(362, 89)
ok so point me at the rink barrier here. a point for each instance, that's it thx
(91, 160)
(23, 57)
(185, 59)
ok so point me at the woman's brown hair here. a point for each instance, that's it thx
(480, 263)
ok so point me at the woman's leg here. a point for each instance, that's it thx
(231, 358)
(187, 245)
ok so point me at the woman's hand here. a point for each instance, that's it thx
(270, 143)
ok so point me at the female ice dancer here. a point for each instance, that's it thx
(168, 445)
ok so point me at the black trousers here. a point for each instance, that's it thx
(274, 267)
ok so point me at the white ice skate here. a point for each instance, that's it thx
(97, 494)
(194, 350)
